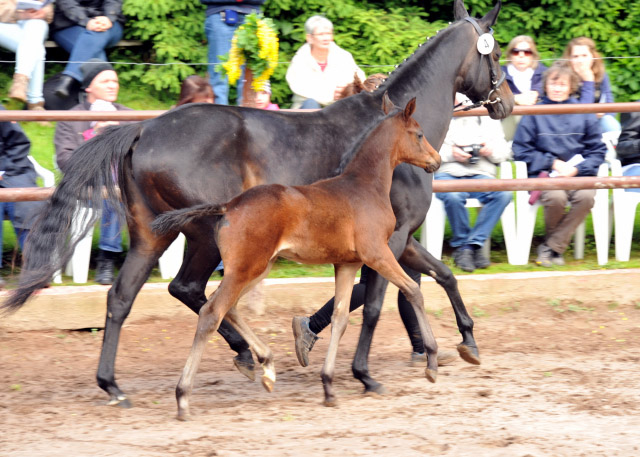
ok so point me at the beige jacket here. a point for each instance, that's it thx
(8, 11)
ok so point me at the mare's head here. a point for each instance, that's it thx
(481, 78)
(410, 144)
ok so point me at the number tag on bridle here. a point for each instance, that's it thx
(485, 44)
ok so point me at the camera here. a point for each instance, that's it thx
(474, 150)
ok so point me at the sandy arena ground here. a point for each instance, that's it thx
(560, 376)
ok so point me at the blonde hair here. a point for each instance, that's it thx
(527, 39)
(597, 66)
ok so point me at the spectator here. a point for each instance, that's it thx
(524, 76)
(84, 28)
(223, 18)
(24, 32)
(100, 82)
(595, 86)
(628, 149)
(16, 170)
(320, 69)
(263, 98)
(567, 145)
(195, 89)
(471, 150)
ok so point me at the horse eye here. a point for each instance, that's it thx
(419, 135)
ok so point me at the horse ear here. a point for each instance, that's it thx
(492, 16)
(387, 104)
(409, 109)
(459, 11)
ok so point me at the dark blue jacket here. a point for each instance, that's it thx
(536, 79)
(590, 92)
(540, 139)
(241, 6)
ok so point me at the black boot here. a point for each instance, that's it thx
(65, 86)
(104, 269)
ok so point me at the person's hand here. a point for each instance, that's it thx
(485, 151)
(584, 70)
(99, 24)
(564, 169)
(101, 125)
(337, 93)
(459, 155)
(526, 98)
(24, 15)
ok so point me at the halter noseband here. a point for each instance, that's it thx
(495, 83)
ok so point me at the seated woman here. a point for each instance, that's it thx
(320, 69)
(595, 86)
(84, 28)
(567, 145)
(24, 32)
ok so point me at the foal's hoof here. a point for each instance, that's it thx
(431, 375)
(330, 402)
(247, 368)
(268, 383)
(377, 389)
(469, 354)
(120, 401)
(183, 417)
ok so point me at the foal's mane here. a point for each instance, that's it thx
(351, 153)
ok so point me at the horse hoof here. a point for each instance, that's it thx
(375, 390)
(183, 417)
(431, 375)
(268, 383)
(120, 401)
(330, 403)
(469, 354)
(246, 368)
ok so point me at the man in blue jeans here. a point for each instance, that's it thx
(472, 149)
(223, 18)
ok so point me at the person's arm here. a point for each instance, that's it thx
(498, 148)
(525, 148)
(594, 149)
(303, 81)
(112, 9)
(629, 141)
(73, 11)
(66, 140)
(588, 92)
(606, 91)
(14, 147)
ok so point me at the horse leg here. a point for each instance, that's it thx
(374, 296)
(133, 274)
(386, 265)
(417, 257)
(211, 315)
(264, 354)
(345, 276)
(188, 286)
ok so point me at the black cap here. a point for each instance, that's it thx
(91, 69)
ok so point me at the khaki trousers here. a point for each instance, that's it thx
(560, 223)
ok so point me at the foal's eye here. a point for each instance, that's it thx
(419, 135)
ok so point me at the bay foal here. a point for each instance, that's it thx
(346, 221)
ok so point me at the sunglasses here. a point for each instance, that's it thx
(526, 52)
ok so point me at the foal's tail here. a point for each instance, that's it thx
(176, 219)
(49, 245)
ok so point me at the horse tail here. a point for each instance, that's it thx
(49, 245)
(176, 219)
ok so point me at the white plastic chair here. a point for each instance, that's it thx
(624, 213)
(432, 236)
(526, 221)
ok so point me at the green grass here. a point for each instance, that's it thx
(138, 98)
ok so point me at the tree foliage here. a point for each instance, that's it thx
(382, 33)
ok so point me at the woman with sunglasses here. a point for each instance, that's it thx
(595, 86)
(524, 71)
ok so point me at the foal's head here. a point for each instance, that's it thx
(411, 146)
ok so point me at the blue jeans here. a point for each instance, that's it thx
(493, 204)
(110, 230)
(219, 36)
(82, 45)
(7, 209)
(310, 103)
(608, 123)
(26, 39)
(632, 171)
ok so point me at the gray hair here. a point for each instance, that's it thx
(316, 21)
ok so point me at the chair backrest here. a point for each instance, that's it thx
(610, 139)
(47, 176)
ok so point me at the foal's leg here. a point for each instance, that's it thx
(418, 258)
(386, 265)
(211, 314)
(345, 276)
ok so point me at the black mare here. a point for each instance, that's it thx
(209, 153)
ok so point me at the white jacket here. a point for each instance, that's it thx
(307, 80)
